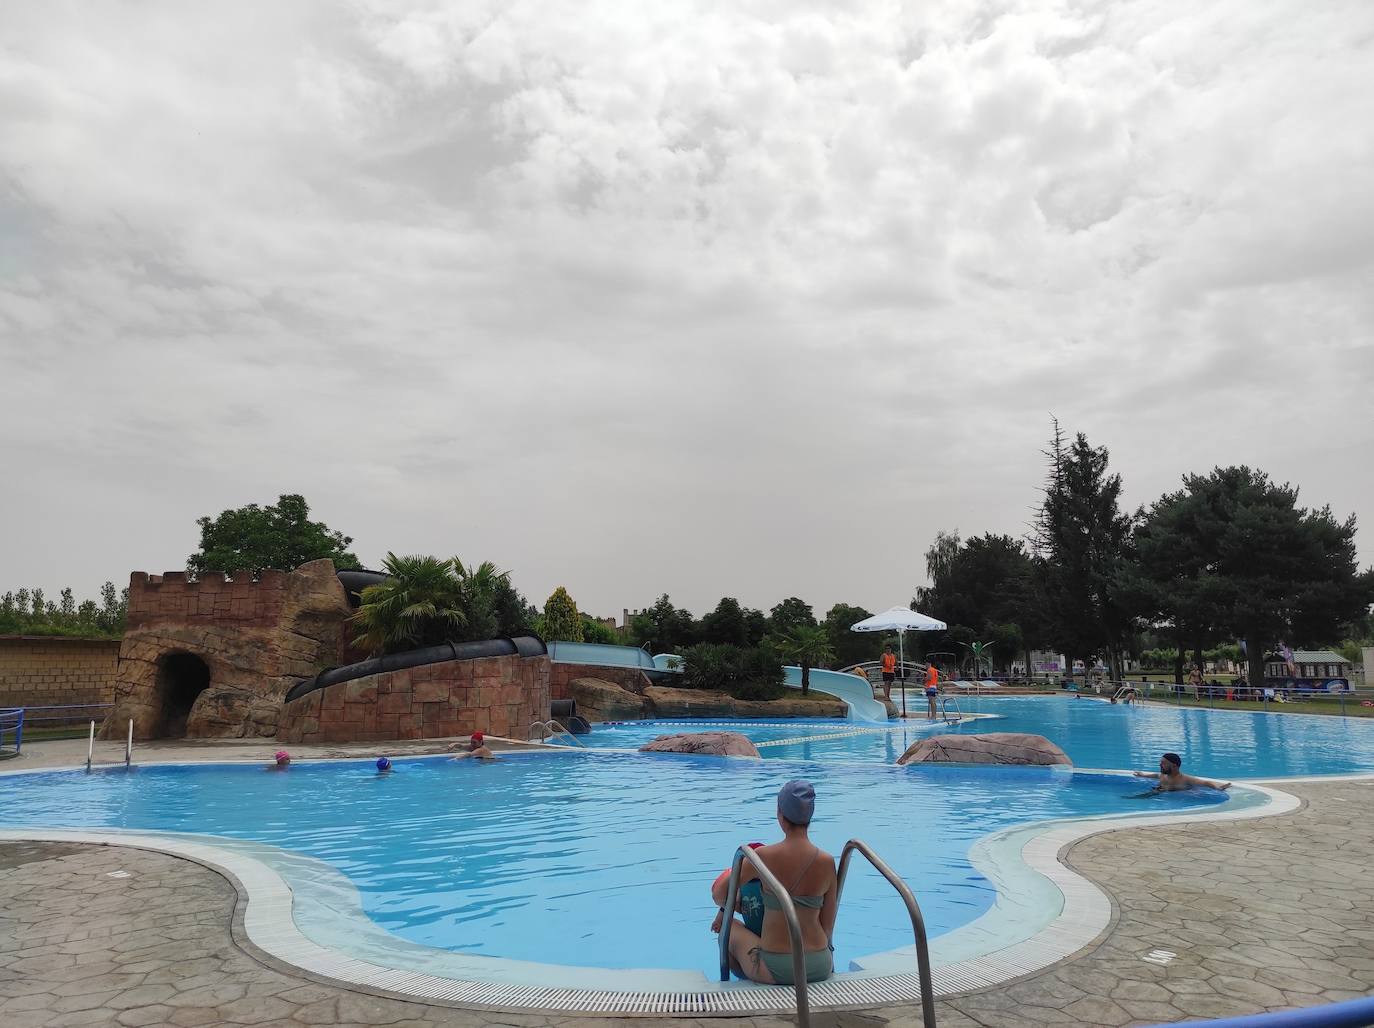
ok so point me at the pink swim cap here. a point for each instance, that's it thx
(282, 755)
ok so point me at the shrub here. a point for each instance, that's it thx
(746, 674)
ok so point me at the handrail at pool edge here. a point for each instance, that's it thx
(913, 909)
(789, 913)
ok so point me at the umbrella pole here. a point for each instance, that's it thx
(901, 663)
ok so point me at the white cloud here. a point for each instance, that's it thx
(619, 294)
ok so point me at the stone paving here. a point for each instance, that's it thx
(1261, 915)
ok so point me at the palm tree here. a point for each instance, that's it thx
(419, 604)
(979, 652)
(808, 646)
(477, 589)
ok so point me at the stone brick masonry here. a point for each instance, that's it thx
(500, 695)
(43, 671)
(255, 638)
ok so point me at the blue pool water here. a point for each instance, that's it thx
(600, 860)
(1214, 744)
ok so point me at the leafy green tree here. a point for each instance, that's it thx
(514, 614)
(594, 631)
(1267, 570)
(561, 621)
(278, 536)
(789, 614)
(663, 627)
(807, 646)
(850, 647)
(726, 625)
(418, 605)
(746, 673)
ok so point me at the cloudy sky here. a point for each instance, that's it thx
(709, 297)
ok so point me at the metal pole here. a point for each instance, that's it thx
(129, 746)
(901, 662)
(90, 747)
(789, 913)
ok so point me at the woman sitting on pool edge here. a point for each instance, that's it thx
(808, 873)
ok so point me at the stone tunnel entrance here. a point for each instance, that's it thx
(181, 677)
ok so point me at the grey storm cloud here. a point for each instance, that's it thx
(744, 299)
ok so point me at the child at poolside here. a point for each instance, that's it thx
(477, 749)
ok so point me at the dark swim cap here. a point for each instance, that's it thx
(1174, 758)
(383, 764)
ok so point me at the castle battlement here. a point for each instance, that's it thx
(238, 597)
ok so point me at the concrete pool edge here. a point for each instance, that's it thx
(265, 913)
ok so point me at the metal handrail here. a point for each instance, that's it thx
(913, 909)
(789, 913)
(552, 728)
(944, 709)
(13, 718)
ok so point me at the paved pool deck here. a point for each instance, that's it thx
(1259, 915)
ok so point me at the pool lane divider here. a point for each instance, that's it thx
(1085, 913)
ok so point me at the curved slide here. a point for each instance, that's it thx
(855, 691)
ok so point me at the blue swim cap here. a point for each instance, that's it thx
(383, 764)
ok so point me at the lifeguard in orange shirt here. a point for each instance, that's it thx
(889, 671)
(932, 687)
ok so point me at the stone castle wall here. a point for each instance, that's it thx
(498, 695)
(49, 671)
(254, 637)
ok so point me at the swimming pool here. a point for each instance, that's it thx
(1214, 744)
(585, 869)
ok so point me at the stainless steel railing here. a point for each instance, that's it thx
(547, 730)
(789, 913)
(913, 909)
(944, 710)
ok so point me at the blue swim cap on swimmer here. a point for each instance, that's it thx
(797, 801)
(383, 764)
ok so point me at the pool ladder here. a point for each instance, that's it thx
(944, 710)
(547, 730)
(789, 913)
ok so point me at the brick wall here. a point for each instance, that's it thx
(625, 677)
(500, 695)
(45, 671)
(169, 598)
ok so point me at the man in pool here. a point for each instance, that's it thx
(1172, 779)
(477, 749)
(808, 874)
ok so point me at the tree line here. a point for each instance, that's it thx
(30, 612)
(1231, 557)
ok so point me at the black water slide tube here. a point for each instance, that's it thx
(520, 645)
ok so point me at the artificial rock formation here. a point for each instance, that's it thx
(668, 702)
(992, 748)
(599, 700)
(715, 744)
(214, 657)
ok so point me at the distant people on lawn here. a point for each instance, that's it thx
(1172, 779)
(1195, 681)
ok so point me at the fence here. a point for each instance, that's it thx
(12, 721)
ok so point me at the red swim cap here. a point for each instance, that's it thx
(477, 736)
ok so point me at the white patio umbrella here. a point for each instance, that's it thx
(900, 620)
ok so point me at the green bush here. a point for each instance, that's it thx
(754, 673)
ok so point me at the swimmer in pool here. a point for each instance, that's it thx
(808, 873)
(477, 749)
(281, 760)
(383, 765)
(1172, 779)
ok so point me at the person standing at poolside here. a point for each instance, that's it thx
(889, 671)
(1195, 682)
(808, 874)
(1172, 779)
(932, 687)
